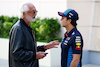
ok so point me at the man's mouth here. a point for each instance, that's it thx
(33, 17)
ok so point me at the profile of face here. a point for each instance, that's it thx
(64, 21)
(31, 14)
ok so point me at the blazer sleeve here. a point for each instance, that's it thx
(18, 52)
(41, 48)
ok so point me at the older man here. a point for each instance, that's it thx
(23, 51)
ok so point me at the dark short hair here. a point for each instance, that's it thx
(73, 22)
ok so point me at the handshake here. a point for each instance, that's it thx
(52, 44)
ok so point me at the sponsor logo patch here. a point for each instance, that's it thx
(65, 43)
(68, 38)
(78, 48)
(73, 33)
(61, 13)
(78, 44)
(78, 39)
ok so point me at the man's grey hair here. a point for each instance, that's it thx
(24, 8)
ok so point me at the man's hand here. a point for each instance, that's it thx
(40, 55)
(52, 44)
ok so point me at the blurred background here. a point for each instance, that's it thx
(88, 25)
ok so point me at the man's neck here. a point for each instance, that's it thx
(28, 23)
(69, 28)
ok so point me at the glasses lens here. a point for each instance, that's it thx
(35, 12)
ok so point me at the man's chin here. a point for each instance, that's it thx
(62, 25)
(32, 20)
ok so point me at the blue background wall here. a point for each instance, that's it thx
(91, 57)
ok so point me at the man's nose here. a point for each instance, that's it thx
(61, 19)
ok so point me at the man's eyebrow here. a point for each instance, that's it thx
(34, 10)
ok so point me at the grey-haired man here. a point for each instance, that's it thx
(23, 51)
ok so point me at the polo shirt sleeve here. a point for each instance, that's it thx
(77, 45)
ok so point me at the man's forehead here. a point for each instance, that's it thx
(64, 17)
(31, 7)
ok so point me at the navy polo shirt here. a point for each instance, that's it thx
(72, 43)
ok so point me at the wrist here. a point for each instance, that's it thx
(45, 47)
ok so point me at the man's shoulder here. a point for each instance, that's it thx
(16, 26)
(76, 34)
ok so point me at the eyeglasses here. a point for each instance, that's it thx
(34, 11)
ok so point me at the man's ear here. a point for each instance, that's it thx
(24, 14)
(69, 20)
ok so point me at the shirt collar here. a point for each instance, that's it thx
(68, 34)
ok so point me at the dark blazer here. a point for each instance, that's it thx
(22, 47)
